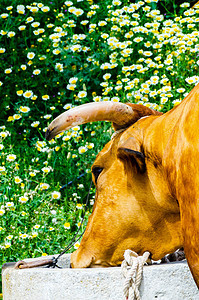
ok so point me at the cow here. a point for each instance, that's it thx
(146, 179)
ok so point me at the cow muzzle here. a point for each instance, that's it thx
(80, 260)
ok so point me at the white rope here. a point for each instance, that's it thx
(132, 268)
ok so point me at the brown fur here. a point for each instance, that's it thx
(155, 211)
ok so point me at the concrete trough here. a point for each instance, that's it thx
(171, 281)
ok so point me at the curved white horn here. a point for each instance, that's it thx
(122, 115)
(116, 112)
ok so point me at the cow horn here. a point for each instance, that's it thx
(122, 116)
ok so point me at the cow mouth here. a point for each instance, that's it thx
(90, 261)
(84, 261)
(103, 264)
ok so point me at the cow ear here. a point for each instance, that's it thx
(136, 157)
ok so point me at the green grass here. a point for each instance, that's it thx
(57, 55)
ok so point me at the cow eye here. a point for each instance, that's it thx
(96, 172)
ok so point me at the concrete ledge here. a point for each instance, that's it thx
(166, 282)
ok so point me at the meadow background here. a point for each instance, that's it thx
(55, 55)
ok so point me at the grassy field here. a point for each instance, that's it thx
(55, 55)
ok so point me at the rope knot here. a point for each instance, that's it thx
(132, 268)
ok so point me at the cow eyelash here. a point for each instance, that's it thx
(96, 172)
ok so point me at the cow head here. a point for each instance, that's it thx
(133, 206)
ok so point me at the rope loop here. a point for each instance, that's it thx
(132, 268)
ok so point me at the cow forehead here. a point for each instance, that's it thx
(119, 138)
(104, 154)
(130, 136)
(109, 153)
(135, 133)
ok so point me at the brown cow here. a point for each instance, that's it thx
(147, 182)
